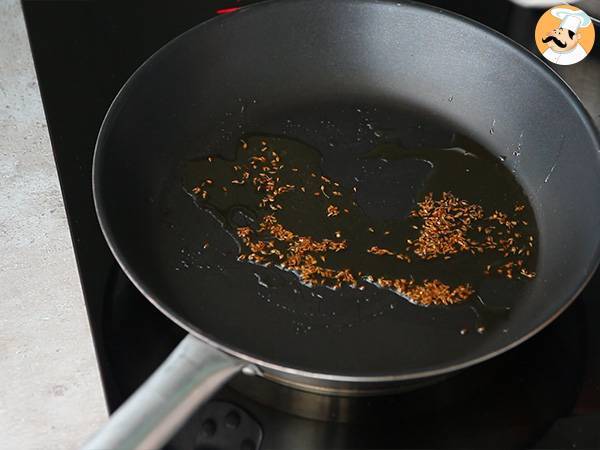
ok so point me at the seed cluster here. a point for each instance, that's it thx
(272, 244)
(429, 292)
(451, 225)
(332, 211)
(446, 226)
(375, 250)
(446, 223)
(303, 255)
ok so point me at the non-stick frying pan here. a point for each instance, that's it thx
(312, 70)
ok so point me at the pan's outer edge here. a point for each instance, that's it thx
(333, 382)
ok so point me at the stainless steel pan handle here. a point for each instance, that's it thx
(189, 376)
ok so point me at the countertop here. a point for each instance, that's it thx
(50, 390)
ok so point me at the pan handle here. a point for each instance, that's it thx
(191, 374)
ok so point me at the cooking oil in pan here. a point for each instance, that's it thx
(430, 224)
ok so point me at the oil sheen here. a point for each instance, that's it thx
(366, 200)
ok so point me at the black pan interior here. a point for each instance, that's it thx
(315, 71)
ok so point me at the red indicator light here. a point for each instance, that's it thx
(227, 10)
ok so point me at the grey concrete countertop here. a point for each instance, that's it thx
(50, 391)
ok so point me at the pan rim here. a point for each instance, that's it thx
(306, 374)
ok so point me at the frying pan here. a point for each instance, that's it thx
(312, 69)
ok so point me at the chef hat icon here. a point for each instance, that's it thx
(571, 20)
